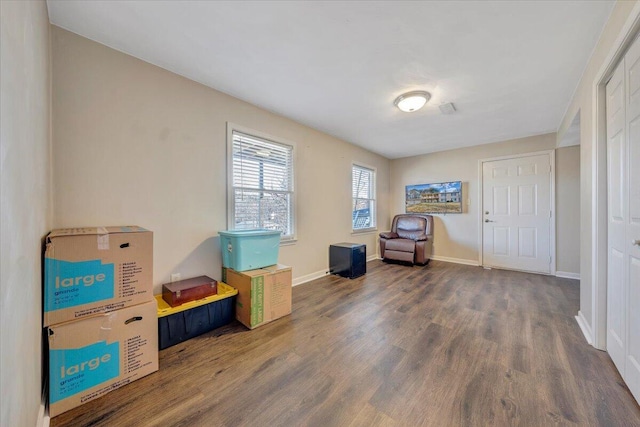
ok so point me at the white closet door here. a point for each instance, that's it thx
(616, 147)
(623, 176)
(632, 234)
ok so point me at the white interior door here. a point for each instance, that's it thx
(632, 237)
(516, 207)
(616, 183)
(623, 204)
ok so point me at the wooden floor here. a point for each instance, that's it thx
(442, 345)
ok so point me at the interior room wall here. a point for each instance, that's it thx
(456, 235)
(136, 144)
(568, 210)
(25, 203)
(583, 102)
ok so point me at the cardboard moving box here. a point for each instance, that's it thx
(90, 357)
(263, 294)
(95, 270)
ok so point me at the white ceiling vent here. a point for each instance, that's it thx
(447, 108)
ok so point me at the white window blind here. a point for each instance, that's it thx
(363, 181)
(262, 184)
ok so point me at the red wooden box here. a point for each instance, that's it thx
(176, 293)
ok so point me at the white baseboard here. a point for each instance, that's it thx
(584, 327)
(318, 274)
(309, 277)
(567, 275)
(455, 260)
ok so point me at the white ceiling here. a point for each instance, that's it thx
(510, 68)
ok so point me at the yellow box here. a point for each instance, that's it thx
(188, 320)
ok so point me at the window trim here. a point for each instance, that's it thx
(375, 197)
(231, 127)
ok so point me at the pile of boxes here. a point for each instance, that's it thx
(99, 311)
(103, 321)
(249, 260)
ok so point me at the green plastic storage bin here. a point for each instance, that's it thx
(244, 250)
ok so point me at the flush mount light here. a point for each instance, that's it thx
(412, 101)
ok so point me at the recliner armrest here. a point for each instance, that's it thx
(421, 238)
(389, 235)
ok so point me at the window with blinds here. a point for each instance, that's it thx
(262, 184)
(363, 185)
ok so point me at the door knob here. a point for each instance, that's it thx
(635, 242)
(486, 212)
(488, 220)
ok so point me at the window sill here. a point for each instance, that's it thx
(364, 231)
(288, 242)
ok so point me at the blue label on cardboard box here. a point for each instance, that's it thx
(72, 371)
(68, 284)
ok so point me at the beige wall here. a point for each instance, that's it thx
(582, 103)
(456, 236)
(25, 203)
(136, 144)
(568, 209)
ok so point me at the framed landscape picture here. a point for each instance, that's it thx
(442, 197)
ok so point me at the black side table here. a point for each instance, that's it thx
(348, 259)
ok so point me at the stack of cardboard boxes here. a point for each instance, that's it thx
(99, 311)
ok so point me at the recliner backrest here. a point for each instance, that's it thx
(412, 226)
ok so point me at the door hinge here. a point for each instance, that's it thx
(549, 168)
(550, 213)
(549, 260)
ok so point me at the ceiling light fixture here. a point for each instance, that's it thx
(412, 101)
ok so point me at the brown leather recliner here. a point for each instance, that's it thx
(410, 239)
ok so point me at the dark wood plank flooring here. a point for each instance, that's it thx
(442, 345)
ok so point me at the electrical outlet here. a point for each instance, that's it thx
(175, 277)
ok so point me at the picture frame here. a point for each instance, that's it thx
(434, 198)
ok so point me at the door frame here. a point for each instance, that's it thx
(599, 242)
(552, 195)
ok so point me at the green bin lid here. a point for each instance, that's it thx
(252, 232)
